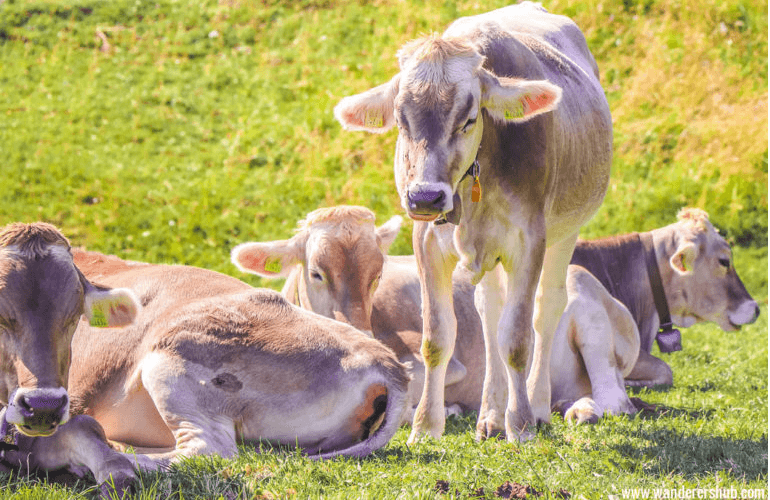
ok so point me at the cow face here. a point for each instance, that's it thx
(42, 297)
(340, 253)
(704, 285)
(437, 101)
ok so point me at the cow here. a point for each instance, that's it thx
(505, 132)
(337, 265)
(211, 361)
(597, 345)
(43, 295)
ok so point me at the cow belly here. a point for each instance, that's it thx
(135, 421)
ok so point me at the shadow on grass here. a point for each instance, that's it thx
(650, 411)
(668, 451)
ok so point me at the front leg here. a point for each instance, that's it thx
(515, 331)
(436, 260)
(78, 445)
(649, 371)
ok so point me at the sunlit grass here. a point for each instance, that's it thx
(170, 131)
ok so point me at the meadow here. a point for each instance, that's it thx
(170, 131)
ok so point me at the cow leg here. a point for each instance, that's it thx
(550, 302)
(80, 445)
(606, 344)
(177, 394)
(489, 297)
(515, 330)
(649, 371)
(435, 261)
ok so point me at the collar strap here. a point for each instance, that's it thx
(473, 171)
(669, 338)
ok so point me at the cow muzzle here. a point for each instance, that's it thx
(38, 412)
(425, 202)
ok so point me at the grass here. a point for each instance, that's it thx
(169, 131)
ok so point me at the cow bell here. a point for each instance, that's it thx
(669, 340)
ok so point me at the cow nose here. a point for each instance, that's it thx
(426, 200)
(42, 406)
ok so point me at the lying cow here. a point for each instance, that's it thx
(597, 341)
(42, 298)
(503, 129)
(211, 361)
(337, 265)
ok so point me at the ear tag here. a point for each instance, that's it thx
(273, 265)
(476, 190)
(373, 119)
(475, 170)
(98, 318)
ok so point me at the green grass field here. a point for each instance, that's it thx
(170, 131)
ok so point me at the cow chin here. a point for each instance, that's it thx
(37, 431)
(422, 217)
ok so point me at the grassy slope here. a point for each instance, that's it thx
(168, 132)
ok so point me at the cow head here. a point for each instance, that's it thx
(340, 253)
(436, 101)
(42, 297)
(699, 278)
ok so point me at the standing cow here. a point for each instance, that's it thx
(338, 257)
(504, 130)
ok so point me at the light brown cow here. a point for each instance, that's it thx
(597, 341)
(42, 298)
(211, 361)
(508, 104)
(337, 265)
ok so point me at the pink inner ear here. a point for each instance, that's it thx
(251, 260)
(536, 102)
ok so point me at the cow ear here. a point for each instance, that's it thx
(270, 259)
(515, 100)
(371, 111)
(110, 307)
(386, 233)
(683, 260)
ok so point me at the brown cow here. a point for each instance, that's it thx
(42, 298)
(507, 103)
(597, 341)
(211, 361)
(337, 265)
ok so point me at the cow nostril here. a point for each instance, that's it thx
(25, 404)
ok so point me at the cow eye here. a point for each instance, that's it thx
(317, 276)
(724, 263)
(469, 124)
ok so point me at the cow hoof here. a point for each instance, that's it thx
(490, 426)
(518, 429)
(584, 411)
(118, 486)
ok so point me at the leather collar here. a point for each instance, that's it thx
(669, 338)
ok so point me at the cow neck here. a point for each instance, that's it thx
(619, 265)
(669, 338)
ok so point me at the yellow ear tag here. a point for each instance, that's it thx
(476, 190)
(98, 318)
(373, 119)
(273, 265)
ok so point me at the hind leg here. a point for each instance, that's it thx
(177, 394)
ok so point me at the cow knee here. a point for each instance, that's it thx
(516, 349)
